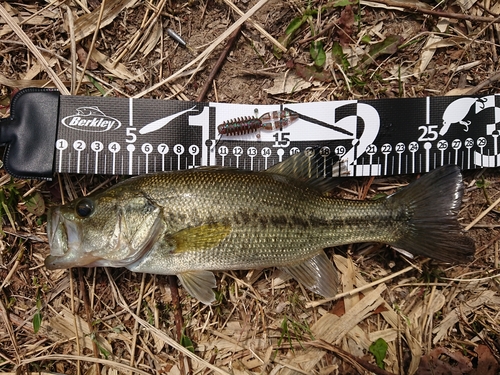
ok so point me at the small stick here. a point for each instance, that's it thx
(359, 289)
(493, 78)
(417, 9)
(92, 44)
(85, 297)
(257, 26)
(136, 324)
(172, 280)
(482, 214)
(71, 27)
(218, 64)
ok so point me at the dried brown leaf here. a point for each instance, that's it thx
(487, 364)
(442, 361)
(345, 26)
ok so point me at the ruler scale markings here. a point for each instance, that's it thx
(96, 163)
(60, 161)
(427, 147)
(147, 148)
(428, 110)
(61, 145)
(130, 149)
(356, 126)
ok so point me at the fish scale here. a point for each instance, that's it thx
(190, 223)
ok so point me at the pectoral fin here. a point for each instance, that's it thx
(199, 284)
(317, 274)
(201, 237)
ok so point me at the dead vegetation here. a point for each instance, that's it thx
(432, 318)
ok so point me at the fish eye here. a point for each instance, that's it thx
(84, 208)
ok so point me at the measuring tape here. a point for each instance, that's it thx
(96, 135)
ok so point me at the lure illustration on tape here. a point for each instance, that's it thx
(268, 121)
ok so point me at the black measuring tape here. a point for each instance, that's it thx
(49, 133)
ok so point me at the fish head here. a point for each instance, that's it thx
(112, 229)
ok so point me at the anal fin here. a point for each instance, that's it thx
(317, 274)
(199, 284)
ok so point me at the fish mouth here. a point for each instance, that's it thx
(64, 241)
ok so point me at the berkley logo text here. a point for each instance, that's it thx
(91, 119)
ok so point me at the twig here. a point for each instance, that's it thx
(172, 281)
(92, 44)
(136, 324)
(411, 7)
(13, 268)
(360, 289)
(230, 42)
(73, 312)
(495, 77)
(202, 56)
(257, 26)
(8, 327)
(83, 292)
(482, 214)
(69, 357)
(33, 49)
(71, 27)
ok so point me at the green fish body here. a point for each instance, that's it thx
(190, 223)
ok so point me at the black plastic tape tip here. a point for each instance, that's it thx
(30, 133)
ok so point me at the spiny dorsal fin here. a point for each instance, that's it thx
(309, 167)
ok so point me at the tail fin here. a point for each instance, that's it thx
(432, 204)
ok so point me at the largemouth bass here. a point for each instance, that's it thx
(190, 223)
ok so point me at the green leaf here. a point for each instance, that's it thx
(366, 39)
(318, 53)
(187, 343)
(294, 25)
(388, 46)
(37, 321)
(339, 55)
(343, 3)
(101, 348)
(98, 86)
(379, 350)
(35, 204)
(289, 32)
(379, 196)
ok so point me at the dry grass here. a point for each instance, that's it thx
(432, 316)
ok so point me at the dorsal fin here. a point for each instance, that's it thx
(309, 167)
